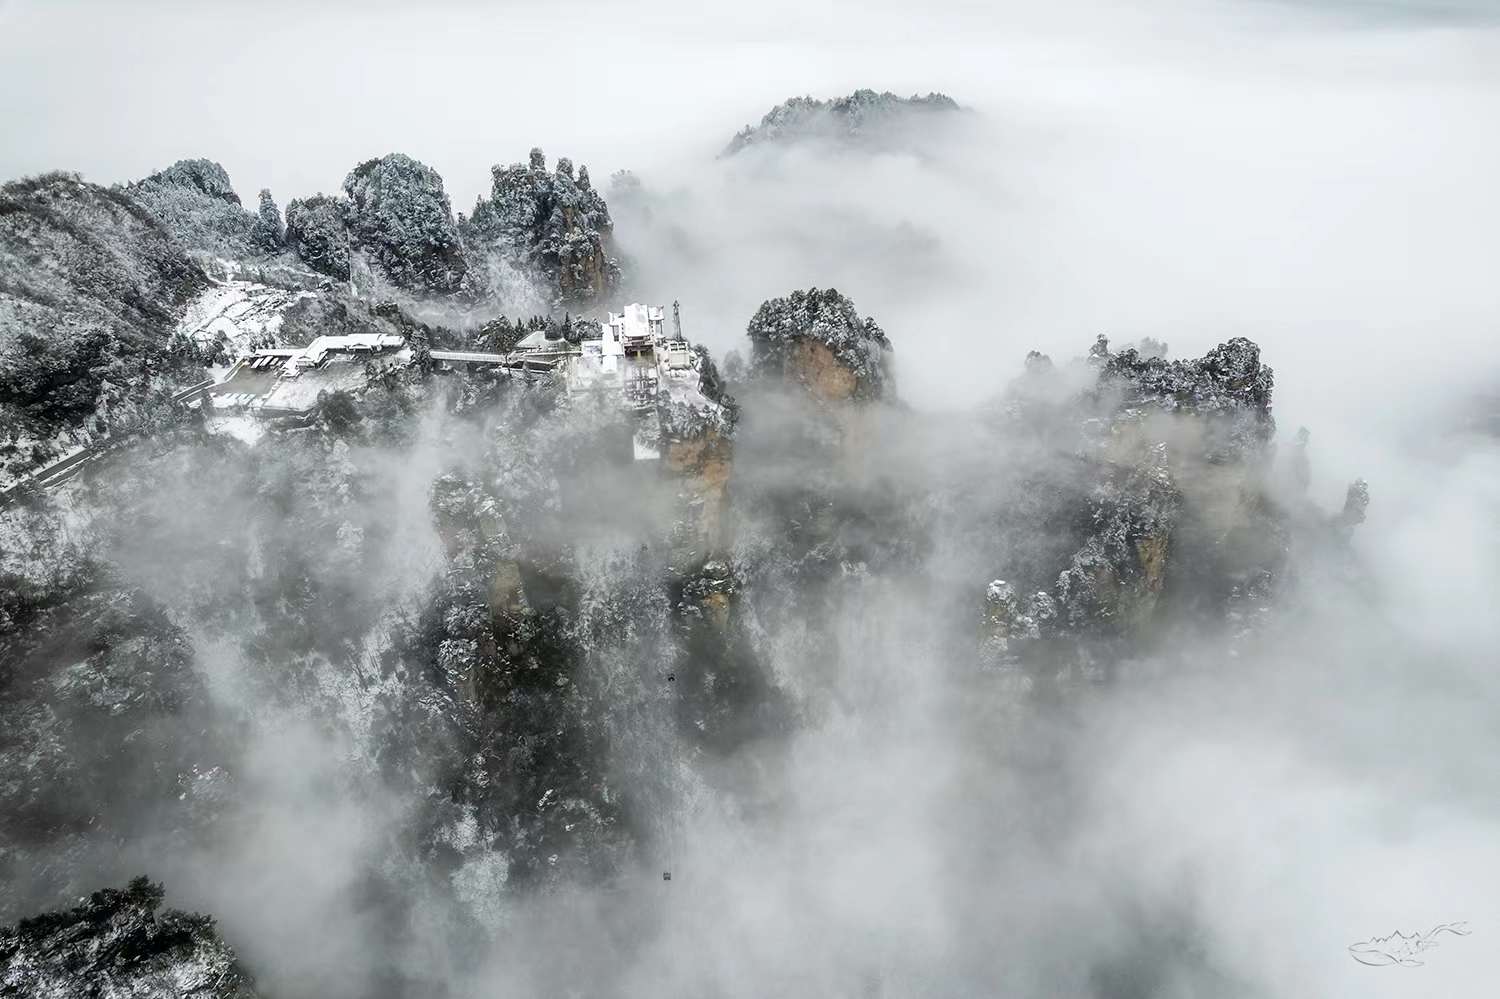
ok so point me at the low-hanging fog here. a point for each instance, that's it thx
(1318, 178)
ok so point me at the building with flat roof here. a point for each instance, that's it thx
(634, 356)
(624, 355)
(280, 380)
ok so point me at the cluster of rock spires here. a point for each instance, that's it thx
(393, 214)
(86, 347)
(554, 221)
(502, 703)
(548, 223)
(1146, 498)
(1190, 518)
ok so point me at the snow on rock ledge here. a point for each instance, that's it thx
(238, 314)
(117, 940)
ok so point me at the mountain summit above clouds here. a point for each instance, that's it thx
(863, 117)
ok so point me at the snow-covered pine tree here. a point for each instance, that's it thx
(267, 233)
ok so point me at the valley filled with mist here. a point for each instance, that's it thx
(770, 528)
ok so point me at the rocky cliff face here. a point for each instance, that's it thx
(702, 461)
(553, 223)
(317, 231)
(118, 942)
(1182, 518)
(696, 431)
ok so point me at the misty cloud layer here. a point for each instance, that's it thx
(1216, 821)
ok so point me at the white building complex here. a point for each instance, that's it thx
(275, 380)
(632, 354)
(633, 359)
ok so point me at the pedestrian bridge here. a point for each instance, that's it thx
(536, 360)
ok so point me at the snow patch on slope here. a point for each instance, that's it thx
(238, 313)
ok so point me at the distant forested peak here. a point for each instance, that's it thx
(858, 116)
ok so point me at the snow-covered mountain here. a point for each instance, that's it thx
(450, 674)
(877, 120)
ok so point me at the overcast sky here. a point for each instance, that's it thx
(291, 95)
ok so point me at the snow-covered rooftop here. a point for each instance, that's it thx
(635, 357)
(315, 352)
(535, 340)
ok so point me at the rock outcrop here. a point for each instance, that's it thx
(1227, 389)
(1116, 578)
(194, 200)
(317, 230)
(117, 943)
(815, 338)
(695, 435)
(1183, 523)
(552, 223)
(400, 218)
